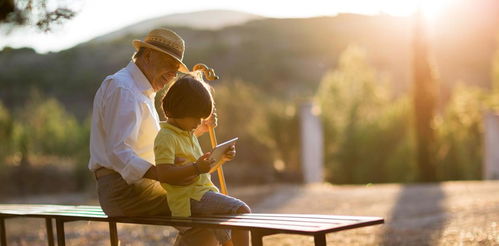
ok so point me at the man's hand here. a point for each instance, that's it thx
(211, 121)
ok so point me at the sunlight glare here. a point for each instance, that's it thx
(431, 8)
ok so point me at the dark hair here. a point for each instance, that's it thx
(188, 97)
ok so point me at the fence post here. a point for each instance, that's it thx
(491, 138)
(312, 143)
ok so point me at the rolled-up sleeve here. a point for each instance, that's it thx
(122, 122)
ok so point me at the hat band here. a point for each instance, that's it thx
(171, 50)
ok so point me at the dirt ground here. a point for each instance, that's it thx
(449, 213)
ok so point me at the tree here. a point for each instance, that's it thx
(33, 13)
(424, 96)
(495, 70)
(366, 129)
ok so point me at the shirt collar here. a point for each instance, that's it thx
(175, 129)
(140, 80)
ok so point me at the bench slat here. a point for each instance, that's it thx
(244, 225)
(291, 223)
(317, 216)
(290, 218)
(250, 219)
(196, 221)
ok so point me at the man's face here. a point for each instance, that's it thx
(161, 69)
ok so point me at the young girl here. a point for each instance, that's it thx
(187, 102)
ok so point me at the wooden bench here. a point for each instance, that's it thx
(259, 224)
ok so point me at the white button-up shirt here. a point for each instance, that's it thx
(124, 124)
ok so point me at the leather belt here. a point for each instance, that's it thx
(102, 171)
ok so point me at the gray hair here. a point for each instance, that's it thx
(138, 53)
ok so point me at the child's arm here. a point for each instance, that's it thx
(184, 174)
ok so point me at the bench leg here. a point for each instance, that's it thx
(61, 241)
(113, 233)
(50, 231)
(3, 235)
(256, 238)
(320, 239)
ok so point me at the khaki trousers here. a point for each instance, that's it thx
(144, 198)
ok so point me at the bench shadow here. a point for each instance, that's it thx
(418, 216)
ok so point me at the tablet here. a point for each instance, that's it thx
(218, 152)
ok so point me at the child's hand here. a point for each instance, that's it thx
(230, 154)
(204, 163)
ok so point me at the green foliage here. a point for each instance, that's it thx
(283, 135)
(241, 110)
(6, 134)
(371, 138)
(81, 155)
(367, 133)
(460, 135)
(48, 127)
(43, 147)
(267, 128)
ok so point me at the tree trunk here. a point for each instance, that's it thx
(424, 96)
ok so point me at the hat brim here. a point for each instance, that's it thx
(139, 43)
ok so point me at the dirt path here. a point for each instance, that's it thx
(451, 213)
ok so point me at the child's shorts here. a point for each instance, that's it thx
(216, 203)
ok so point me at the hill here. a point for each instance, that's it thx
(286, 58)
(208, 19)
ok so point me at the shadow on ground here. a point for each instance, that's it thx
(418, 216)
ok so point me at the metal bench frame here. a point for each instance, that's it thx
(258, 224)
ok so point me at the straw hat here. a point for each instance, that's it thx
(165, 41)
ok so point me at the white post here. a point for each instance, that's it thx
(312, 143)
(491, 165)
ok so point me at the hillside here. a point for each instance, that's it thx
(208, 19)
(286, 58)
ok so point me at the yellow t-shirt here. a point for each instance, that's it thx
(172, 142)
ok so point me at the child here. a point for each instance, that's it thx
(187, 102)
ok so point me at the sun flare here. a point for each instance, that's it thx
(430, 8)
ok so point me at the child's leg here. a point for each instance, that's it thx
(217, 203)
(241, 237)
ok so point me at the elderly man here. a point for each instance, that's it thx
(124, 126)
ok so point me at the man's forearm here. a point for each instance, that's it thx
(175, 175)
(151, 173)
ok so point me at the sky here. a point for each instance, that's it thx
(98, 17)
